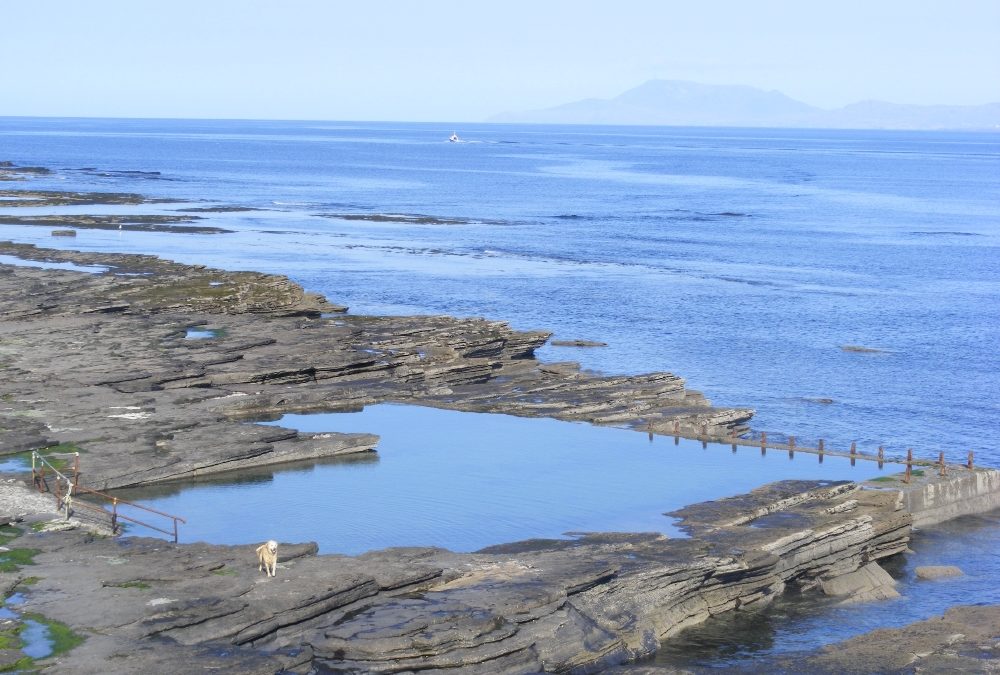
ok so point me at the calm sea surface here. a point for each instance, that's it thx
(741, 259)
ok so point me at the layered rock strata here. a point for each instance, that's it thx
(535, 606)
(103, 360)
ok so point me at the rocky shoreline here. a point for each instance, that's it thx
(105, 356)
(100, 362)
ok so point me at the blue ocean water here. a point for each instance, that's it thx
(741, 259)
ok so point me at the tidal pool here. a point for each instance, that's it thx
(464, 481)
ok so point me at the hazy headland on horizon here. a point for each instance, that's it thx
(681, 103)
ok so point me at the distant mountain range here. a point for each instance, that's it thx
(678, 103)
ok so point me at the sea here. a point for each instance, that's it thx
(844, 284)
(743, 260)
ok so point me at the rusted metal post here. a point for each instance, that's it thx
(969, 463)
(114, 515)
(909, 465)
(941, 466)
(677, 432)
(854, 451)
(763, 440)
(820, 446)
(881, 456)
(791, 447)
(76, 470)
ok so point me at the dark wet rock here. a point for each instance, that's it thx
(861, 349)
(218, 209)
(63, 233)
(134, 223)
(414, 218)
(10, 171)
(64, 198)
(578, 343)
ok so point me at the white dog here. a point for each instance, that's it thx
(267, 557)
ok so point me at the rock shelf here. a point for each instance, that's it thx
(103, 361)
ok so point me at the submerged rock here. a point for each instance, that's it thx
(860, 349)
(937, 571)
(578, 343)
(865, 584)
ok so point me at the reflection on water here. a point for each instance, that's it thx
(464, 481)
(797, 623)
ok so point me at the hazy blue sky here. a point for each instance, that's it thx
(443, 60)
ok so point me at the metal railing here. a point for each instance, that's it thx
(821, 450)
(66, 488)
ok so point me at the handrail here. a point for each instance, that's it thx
(64, 501)
(820, 450)
(115, 516)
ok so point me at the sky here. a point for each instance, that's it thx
(445, 60)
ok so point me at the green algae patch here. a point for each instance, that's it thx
(61, 637)
(896, 478)
(10, 638)
(9, 533)
(15, 558)
(59, 463)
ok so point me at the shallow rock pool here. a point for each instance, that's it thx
(464, 481)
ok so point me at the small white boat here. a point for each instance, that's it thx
(454, 137)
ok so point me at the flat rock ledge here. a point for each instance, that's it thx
(103, 360)
(579, 605)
